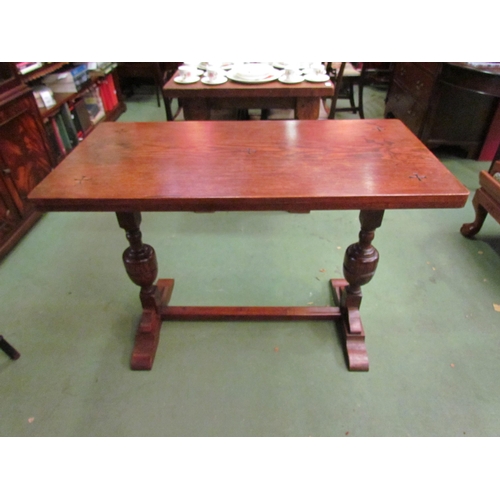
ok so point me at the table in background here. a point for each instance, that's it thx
(199, 99)
(289, 165)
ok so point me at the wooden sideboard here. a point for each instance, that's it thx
(448, 104)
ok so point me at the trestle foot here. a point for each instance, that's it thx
(352, 329)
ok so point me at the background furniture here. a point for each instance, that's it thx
(199, 99)
(448, 104)
(157, 73)
(486, 199)
(29, 148)
(25, 157)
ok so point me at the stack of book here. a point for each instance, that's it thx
(107, 92)
(27, 67)
(72, 123)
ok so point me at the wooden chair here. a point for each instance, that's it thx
(350, 77)
(167, 71)
(486, 199)
(336, 73)
(142, 71)
(8, 349)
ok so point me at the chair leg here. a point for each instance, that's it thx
(360, 100)
(8, 349)
(351, 97)
(243, 114)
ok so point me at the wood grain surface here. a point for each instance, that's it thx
(257, 165)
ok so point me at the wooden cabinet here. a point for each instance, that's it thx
(443, 104)
(27, 153)
(410, 93)
(24, 161)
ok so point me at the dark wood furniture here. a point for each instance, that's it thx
(289, 165)
(8, 349)
(158, 73)
(26, 153)
(486, 200)
(447, 104)
(129, 71)
(199, 99)
(25, 157)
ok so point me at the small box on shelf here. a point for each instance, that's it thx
(44, 96)
(68, 81)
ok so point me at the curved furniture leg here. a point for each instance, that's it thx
(142, 268)
(360, 263)
(471, 229)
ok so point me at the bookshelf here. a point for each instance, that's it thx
(86, 96)
(36, 135)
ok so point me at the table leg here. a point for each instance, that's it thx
(142, 268)
(307, 108)
(360, 263)
(196, 109)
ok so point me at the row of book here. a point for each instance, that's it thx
(75, 119)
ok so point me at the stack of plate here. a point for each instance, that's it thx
(253, 73)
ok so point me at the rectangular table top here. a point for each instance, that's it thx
(235, 89)
(250, 165)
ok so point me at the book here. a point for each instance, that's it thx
(112, 89)
(104, 93)
(57, 135)
(69, 125)
(80, 111)
(94, 105)
(27, 67)
(53, 143)
(63, 133)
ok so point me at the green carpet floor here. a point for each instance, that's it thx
(433, 333)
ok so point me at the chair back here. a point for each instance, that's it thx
(336, 73)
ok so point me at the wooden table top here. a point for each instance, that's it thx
(235, 89)
(252, 165)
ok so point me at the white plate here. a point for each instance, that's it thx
(220, 81)
(300, 65)
(273, 75)
(224, 65)
(253, 71)
(178, 79)
(298, 79)
(317, 78)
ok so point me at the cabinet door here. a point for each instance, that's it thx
(9, 216)
(24, 153)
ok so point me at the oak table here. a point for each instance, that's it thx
(295, 166)
(199, 99)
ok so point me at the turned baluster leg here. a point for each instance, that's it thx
(142, 268)
(360, 263)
